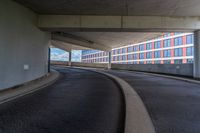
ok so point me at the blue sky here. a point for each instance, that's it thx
(61, 55)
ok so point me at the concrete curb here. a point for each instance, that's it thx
(137, 119)
(30, 87)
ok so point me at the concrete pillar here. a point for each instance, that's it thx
(109, 59)
(49, 60)
(70, 58)
(196, 70)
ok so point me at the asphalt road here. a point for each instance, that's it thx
(79, 102)
(173, 105)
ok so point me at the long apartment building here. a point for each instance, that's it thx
(170, 48)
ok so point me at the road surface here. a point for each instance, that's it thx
(174, 105)
(79, 102)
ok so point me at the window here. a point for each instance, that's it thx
(141, 47)
(167, 53)
(157, 45)
(167, 34)
(149, 62)
(189, 61)
(124, 57)
(178, 61)
(135, 62)
(190, 39)
(129, 62)
(157, 62)
(114, 52)
(177, 33)
(141, 55)
(118, 51)
(118, 58)
(178, 52)
(106, 59)
(149, 46)
(149, 55)
(130, 57)
(124, 50)
(167, 43)
(114, 58)
(190, 51)
(130, 49)
(157, 54)
(135, 48)
(135, 56)
(178, 41)
(141, 62)
(167, 61)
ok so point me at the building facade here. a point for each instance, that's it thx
(170, 48)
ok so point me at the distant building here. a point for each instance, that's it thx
(171, 48)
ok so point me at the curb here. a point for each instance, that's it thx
(137, 119)
(28, 88)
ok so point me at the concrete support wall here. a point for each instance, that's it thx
(174, 69)
(23, 47)
(197, 54)
(80, 64)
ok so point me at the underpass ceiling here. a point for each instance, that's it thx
(115, 7)
(116, 39)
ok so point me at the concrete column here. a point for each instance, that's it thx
(109, 59)
(70, 58)
(196, 70)
(49, 60)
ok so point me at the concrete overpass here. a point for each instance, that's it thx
(35, 25)
(29, 28)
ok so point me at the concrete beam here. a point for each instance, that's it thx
(71, 39)
(61, 45)
(117, 23)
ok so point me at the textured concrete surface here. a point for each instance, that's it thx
(80, 102)
(29, 87)
(116, 7)
(80, 64)
(137, 119)
(173, 69)
(172, 104)
(21, 44)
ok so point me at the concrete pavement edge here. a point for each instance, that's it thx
(137, 119)
(30, 87)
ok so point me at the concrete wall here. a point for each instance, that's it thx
(174, 69)
(21, 43)
(80, 64)
(95, 65)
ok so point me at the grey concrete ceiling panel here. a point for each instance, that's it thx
(115, 7)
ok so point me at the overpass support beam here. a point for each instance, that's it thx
(109, 59)
(70, 58)
(197, 54)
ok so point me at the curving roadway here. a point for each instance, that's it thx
(79, 102)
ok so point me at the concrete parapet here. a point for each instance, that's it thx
(80, 64)
(172, 69)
